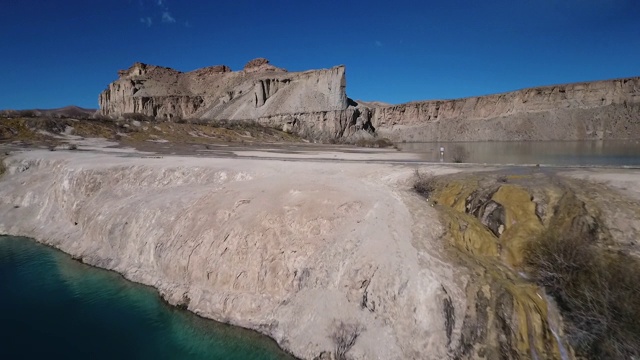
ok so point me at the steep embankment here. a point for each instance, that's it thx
(236, 241)
(575, 239)
(330, 252)
(582, 111)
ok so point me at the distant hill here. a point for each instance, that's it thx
(70, 111)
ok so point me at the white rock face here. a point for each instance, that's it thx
(287, 248)
(314, 104)
(582, 111)
(219, 93)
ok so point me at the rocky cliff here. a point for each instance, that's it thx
(259, 90)
(581, 111)
(314, 104)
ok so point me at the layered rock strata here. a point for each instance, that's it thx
(259, 90)
(581, 111)
(315, 104)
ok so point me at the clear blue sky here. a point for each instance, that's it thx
(56, 53)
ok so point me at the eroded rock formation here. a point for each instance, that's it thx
(315, 104)
(581, 111)
(260, 90)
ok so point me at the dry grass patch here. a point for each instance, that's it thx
(344, 336)
(3, 168)
(374, 143)
(597, 291)
(424, 183)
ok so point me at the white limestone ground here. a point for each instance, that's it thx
(287, 248)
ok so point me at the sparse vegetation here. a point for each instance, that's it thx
(138, 117)
(344, 336)
(596, 290)
(459, 154)
(41, 130)
(73, 147)
(3, 168)
(424, 184)
(374, 143)
(25, 113)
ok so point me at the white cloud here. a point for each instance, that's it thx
(157, 11)
(146, 20)
(167, 18)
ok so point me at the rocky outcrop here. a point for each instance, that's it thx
(314, 103)
(582, 111)
(260, 64)
(323, 125)
(260, 90)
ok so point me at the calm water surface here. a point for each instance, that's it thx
(583, 153)
(52, 306)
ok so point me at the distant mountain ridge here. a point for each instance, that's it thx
(66, 112)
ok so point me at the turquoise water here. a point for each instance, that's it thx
(52, 306)
(562, 153)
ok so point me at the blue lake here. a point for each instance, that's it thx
(52, 306)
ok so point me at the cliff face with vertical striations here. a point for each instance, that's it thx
(259, 90)
(581, 111)
(315, 104)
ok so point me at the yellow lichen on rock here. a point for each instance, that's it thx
(517, 313)
(454, 193)
(468, 235)
(521, 223)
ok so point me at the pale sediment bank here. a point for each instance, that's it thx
(287, 248)
(284, 248)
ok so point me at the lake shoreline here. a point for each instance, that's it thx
(258, 250)
(116, 292)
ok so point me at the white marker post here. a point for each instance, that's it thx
(442, 154)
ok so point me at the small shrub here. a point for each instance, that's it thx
(344, 336)
(8, 113)
(26, 113)
(374, 143)
(73, 147)
(424, 184)
(137, 117)
(101, 118)
(596, 290)
(459, 154)
(383, 143)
